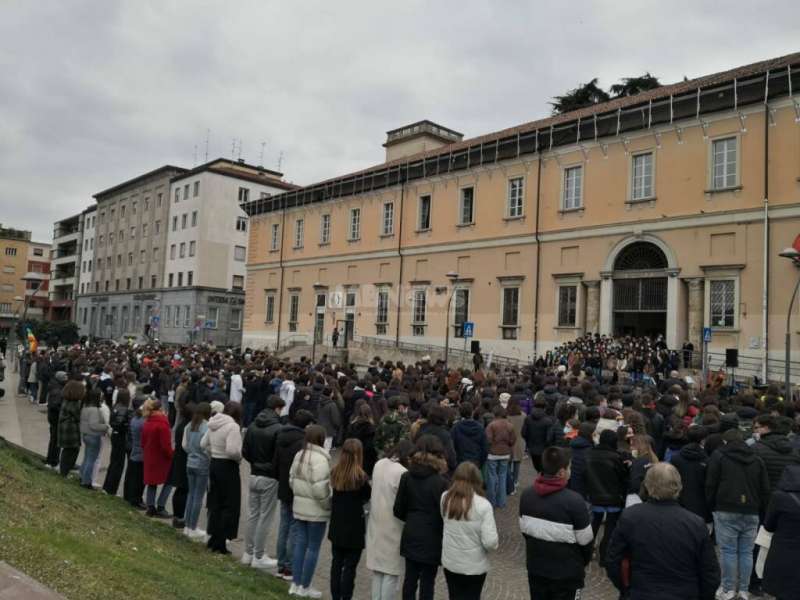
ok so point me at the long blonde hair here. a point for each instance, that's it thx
(643, 444)
(467, 482)
(348, 474)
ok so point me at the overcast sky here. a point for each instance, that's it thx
(93, 93)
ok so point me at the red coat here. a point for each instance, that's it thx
(157, 448)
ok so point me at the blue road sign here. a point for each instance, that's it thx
(469, 329)
(706, 334)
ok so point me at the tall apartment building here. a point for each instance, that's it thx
(23, 277)
(87, 264)
(65, 264)
(651, 214)
(182, 264)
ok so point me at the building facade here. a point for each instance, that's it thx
(176, 272)
(65, 258)
(24, 278)
(661, 213)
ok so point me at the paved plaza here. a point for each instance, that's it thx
(23, 423)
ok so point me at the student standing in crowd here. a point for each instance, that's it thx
(178, 475)
(197, 465)
(469, 534)
(157, 454)
(69, 425)
(309, 478)
(223, 441)
(134, 473)
(418, 505)
(54, 398)
(781, 575)
(93, 428)
(501, 438)
(258, 449)
(120, 422)
(557, 530)
(606, 486)
(351, 492)
(384, 530)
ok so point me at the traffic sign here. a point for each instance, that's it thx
(706, 334)
(468, 329)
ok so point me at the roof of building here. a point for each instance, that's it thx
(611, 107)
(130, 182)
(222, 163)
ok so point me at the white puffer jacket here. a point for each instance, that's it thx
(466, 543)
(310, 479)
(223, 438)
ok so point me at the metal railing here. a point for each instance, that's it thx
(750, 366)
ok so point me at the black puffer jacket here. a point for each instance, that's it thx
(288, 443)
(535, 429)
(417, 504)
(445, 438)
(776, 451)
(258, 447)
(691, 463)
(469, 442)
(736, 480)
(606, 477)
(577, 479)
(781, 575)
(671, 555)
(364, 431)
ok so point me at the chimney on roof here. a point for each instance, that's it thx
(418, 137)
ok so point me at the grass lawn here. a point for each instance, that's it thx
(88, 545)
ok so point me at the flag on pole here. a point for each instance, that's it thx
(33, 345)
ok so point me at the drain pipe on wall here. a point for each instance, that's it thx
(280, 291)
(765, 294)
(538, 260)
(400, 269)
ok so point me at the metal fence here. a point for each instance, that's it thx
(751, 367)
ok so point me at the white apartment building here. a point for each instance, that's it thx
(89, 217)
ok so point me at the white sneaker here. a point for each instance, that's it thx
(247, 559)
(310, 592)
(295, 590)
(744, 596)
(265, 562)
(722, 595)
(187, 532)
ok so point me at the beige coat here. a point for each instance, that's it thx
(518, 452)
(383, 528)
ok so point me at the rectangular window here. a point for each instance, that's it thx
(157, 227)
(299, 227)
(172, 250)
(723, 303)
(192, 248)
(182, 251)
(350, 299)
(175, 223)
(567, 305)
(419, 314)
(241, 223)
(382, 313)
(573, 188)
(239, 253)
(723, 160)
(244, 195)
(460, 311)
(355, 224)
(38, 251)
(153, 281)
(196, 188)
(294, 309)
(642, 176)
(177, 195)
(186, 191)
(236, 319)
(270, 309)
(194, 218)
(122, 212)
(130, 259)
(515, 197)
(238, 282)
(133, 233)
(159, 197)
(142, 256)
(167, 313)
(170, 280)
(466, 206)
(155, 254)
(116, 285)
(325, 229)
(274, 237)
(388, 218)
(186, 313)
(140, 281)
(424, 216)
(189, 277)
(212, 317)
(177, 321)
(184, 219)
(510, 312)
(144, 229)
(146, 203)
(133, 207)
(13, 251)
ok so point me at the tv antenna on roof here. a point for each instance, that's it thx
(239, 156)
(261, 157)
(208, 135)
(194, 160)
(280, 160)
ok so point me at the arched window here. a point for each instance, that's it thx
(640, 256)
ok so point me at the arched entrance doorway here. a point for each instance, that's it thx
(640, 290)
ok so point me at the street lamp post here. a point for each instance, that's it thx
(452, 276)
(794, 256)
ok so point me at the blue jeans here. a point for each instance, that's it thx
(307, 538)
(736, 536)
(91, 443)
(166, 490)
(198, 483)
(496, 474)
(285, 539)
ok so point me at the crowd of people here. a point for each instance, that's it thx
(636, 466)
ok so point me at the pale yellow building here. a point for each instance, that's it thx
(661, 213)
